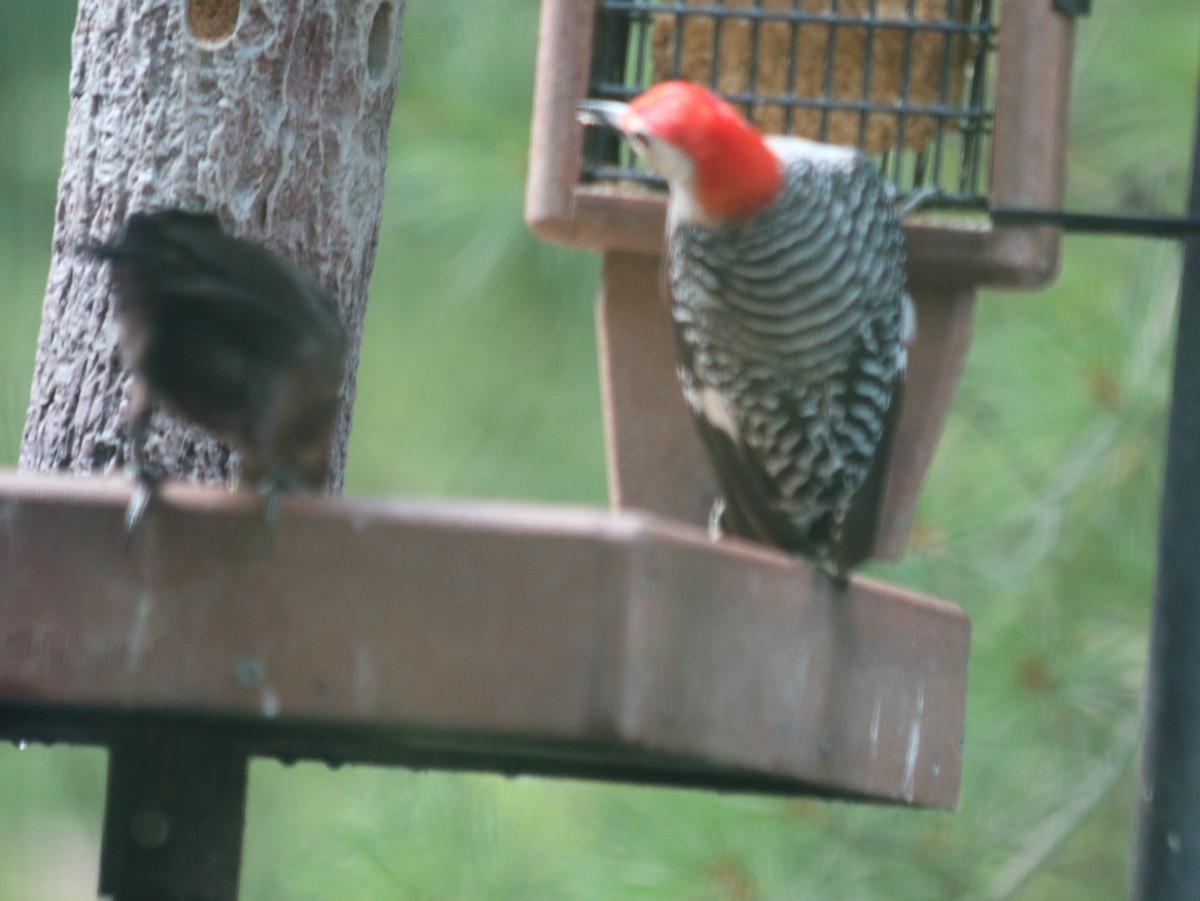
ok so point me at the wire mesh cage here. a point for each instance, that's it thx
(905, 80)
(949, 95)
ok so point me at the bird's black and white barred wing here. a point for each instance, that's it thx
(792, 330)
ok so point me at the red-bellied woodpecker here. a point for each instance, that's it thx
(229, 336)
(785, 266)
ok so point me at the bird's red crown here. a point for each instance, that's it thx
(736, 172)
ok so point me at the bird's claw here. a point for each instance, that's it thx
(914, 200)
(137, 506)
(715, 515)
(149, 476)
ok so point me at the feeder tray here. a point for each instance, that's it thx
(518, 638)
(515, 639)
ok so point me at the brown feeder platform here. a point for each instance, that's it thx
(518, 639)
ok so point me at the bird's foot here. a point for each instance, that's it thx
(838, 576)
(149, 476)
(916, 199)
(715, 515)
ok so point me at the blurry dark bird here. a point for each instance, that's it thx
(225, 334)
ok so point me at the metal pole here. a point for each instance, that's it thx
(173, 817)
(1167, 850)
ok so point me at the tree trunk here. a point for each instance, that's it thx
(274, 115)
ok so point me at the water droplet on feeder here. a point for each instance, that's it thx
(249, 672)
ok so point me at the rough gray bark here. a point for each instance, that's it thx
(271, 113)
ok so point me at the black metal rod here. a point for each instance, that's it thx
(1102, 223)
(1167, 849)
(173, 817)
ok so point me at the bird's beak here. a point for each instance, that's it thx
(609, 113)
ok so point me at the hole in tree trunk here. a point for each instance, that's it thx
(213, 21)
(379, 42)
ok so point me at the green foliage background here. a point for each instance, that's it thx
(478, 379)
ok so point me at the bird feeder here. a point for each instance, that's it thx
(956, 99)
(562, 642)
